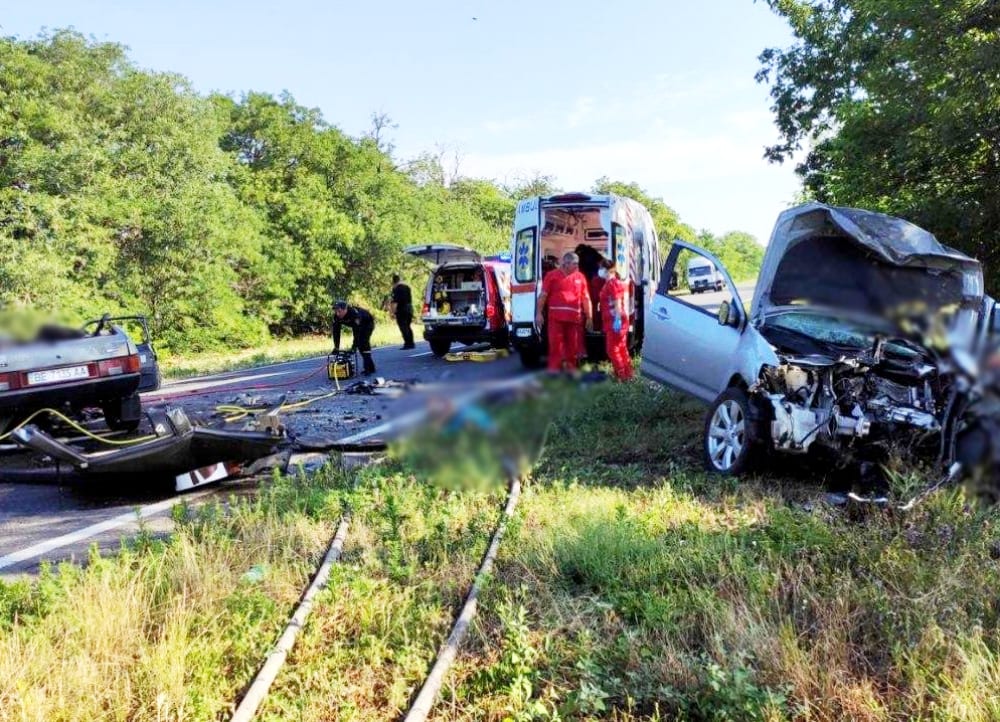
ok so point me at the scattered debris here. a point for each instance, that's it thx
(205, 475)
(277, 461)
(482, 356)
(378, 387)
(308, 463)
(190, 453)
(315, 442)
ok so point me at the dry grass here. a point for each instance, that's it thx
(630, 586)
(162, 631)
(185, 366)
(411, 556)
(647, 590)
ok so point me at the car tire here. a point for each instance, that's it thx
(730, 442)
(439, 347)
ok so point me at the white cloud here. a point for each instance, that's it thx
(715, 181)
(695, 140)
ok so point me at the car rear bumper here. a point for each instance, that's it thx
(460, 332)
(77, 393)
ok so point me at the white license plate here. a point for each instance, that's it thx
(523, 332)
(53, 375)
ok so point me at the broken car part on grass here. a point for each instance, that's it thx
(866, 340)
(191, 450)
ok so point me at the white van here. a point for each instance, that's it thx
(547, 227)
(702, 275)
(467, 298)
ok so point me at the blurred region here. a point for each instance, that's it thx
(479, 445)
(25, 324)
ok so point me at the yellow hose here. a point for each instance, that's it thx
(239, 412)
(74, 425)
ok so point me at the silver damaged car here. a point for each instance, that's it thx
(862, 329)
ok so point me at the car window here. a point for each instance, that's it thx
(692, 279)
(524, 256)
(133, 328)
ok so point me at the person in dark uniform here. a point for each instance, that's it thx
(361, 324)
(401, 309)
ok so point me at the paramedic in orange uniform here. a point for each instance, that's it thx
(566, 300)
(615, 321)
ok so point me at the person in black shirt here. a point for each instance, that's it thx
(361, 324)
(401, 308)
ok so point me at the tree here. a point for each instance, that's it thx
(668, 224)
(901, 103)
(738, 251)
(115, 196)
(532, 186)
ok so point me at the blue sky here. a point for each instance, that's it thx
(657, 92)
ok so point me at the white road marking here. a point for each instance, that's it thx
(197, 384)
(93, 530)
(237, 373)
(425, 353)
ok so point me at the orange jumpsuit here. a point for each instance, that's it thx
(566, 298)
(616, 342)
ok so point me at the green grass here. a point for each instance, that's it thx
(645, 589)
(631, 585)
(165, 630)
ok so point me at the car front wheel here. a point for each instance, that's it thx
(729, 441)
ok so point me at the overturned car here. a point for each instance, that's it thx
(862, 340)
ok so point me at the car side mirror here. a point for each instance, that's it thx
(728, 315)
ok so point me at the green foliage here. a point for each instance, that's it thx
(731, 693)
(224, 220)
(668, 224)
(739, 252)
(900, 102)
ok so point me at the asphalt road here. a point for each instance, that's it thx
(713, 300)
(30, 514)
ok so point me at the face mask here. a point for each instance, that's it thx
(603, 273)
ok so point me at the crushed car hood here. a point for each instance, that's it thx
(859, 261)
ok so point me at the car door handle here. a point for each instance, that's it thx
(662, 314)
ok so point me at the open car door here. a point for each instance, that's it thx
(691, 339)
(137, 329)
(438, 253)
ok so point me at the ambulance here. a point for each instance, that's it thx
(547, 227)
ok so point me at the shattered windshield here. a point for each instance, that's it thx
(843, 334)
